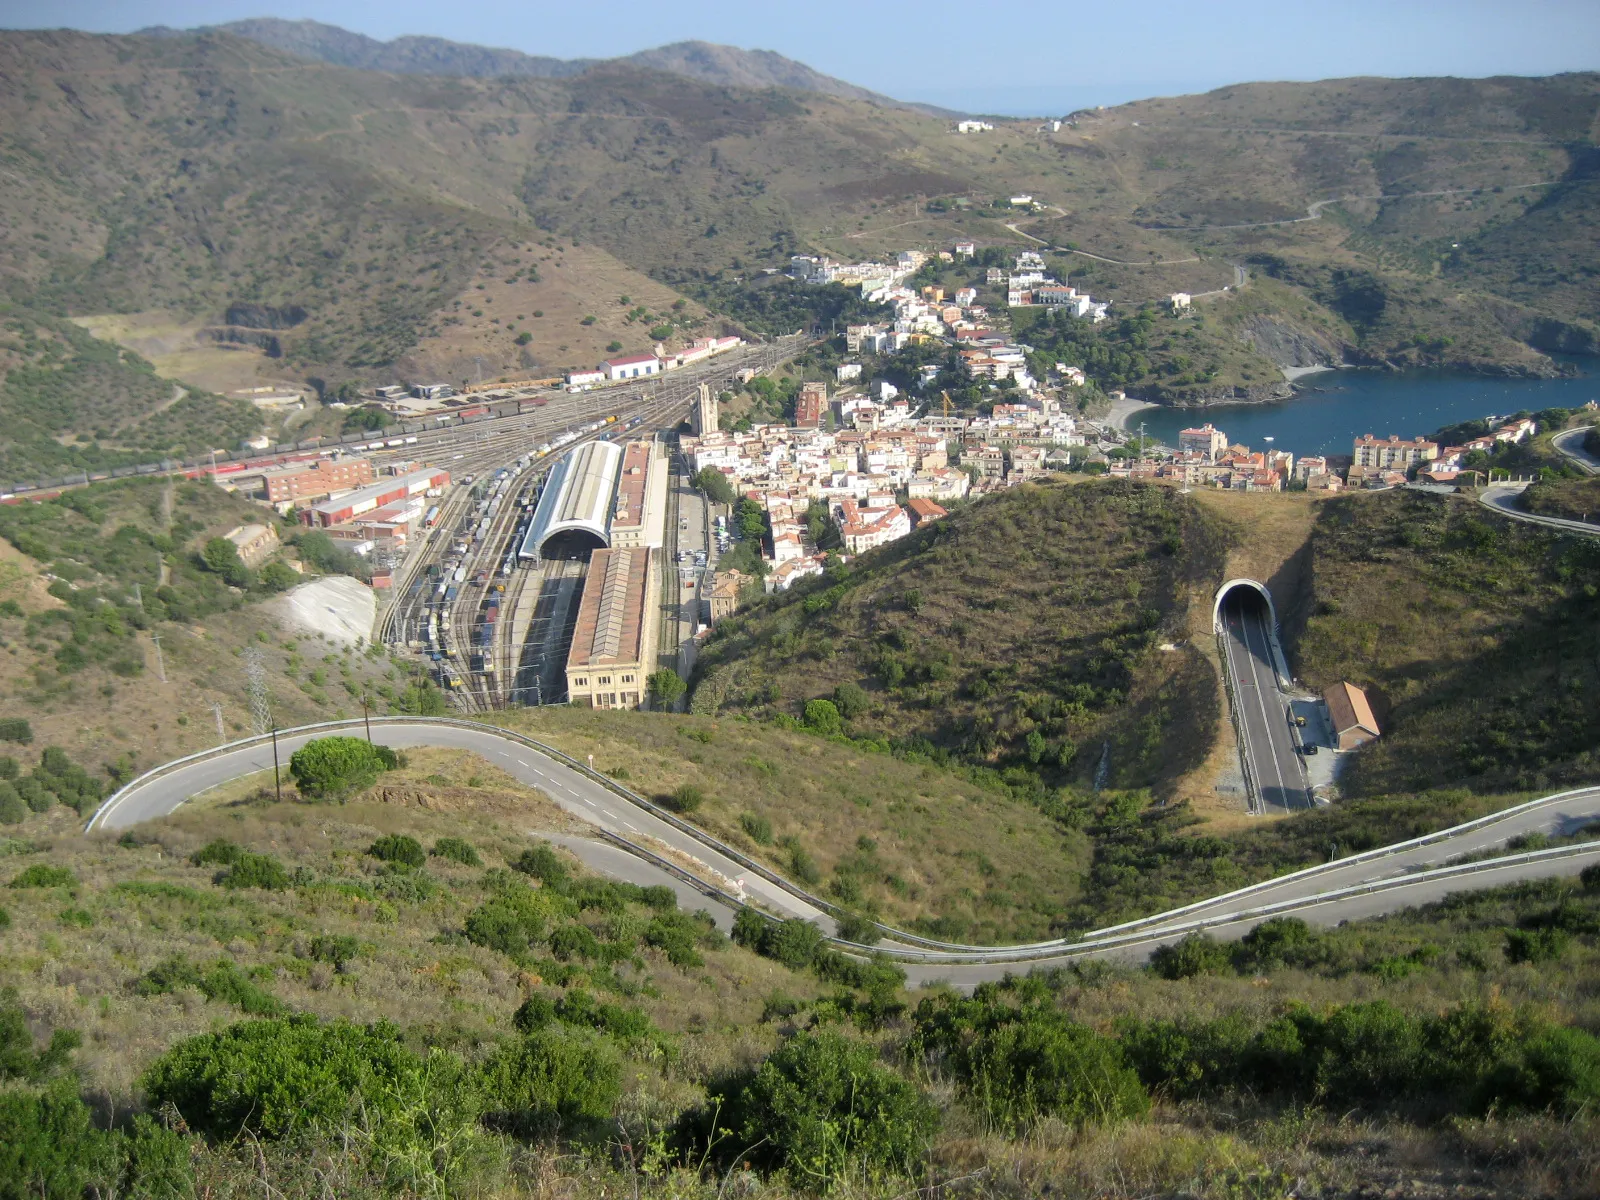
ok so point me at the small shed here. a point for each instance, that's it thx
(1350, 715)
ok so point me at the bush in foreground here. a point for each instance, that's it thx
(820, 1108)
(272, 1078)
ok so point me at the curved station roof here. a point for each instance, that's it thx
(577, 497)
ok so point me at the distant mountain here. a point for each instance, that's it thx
(726, 66)
(404, 55)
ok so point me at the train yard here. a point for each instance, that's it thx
(491, 627)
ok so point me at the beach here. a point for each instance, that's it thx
(1122, 410)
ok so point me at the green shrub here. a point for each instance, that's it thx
(1280, 942)
(574, 941)
(794, 942)
(18, 1060)
(822, 716)
(534, 1013)
(16, 729)
(1046, 1065)
(255, 871)
(544, 864)
(675, 934)
(13, 809)
(1536, 945)
(43, 875)
(333, 768)
(222, 981)
(334, 948)
(821, 1108)
(554, 1075)
(457, 850)
(276, 1077)
(1552, 1069)
(221, 852)
(514, 919)
(49, 1147)
(1590, 877)
(1196, 954)
(757, 826)
(802, 866)
(851, 700)
(399, 848)
(683, 799)
(858, 928)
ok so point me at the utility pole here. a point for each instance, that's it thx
(161, 665)
(277, 782)
(365, 719)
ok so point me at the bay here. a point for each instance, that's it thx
(1336, 407)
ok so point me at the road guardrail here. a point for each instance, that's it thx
(1156, 927)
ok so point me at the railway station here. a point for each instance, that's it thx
(574, 512)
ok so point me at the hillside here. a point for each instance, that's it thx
(705, 62)
(72, 402)
(1036, 632)
(1476, 635)
(336, 223)
(411, 992)
(88, 581)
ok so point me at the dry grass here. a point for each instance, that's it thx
(77, 970)
(575, 281)
(942, 846)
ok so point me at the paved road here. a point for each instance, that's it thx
(1570, 443)
(1401, 875)
(1277, 776)
(572, 790)
(1504, 501)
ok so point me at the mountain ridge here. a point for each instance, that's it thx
(706, 62)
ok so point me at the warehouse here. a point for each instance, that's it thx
(358, 503)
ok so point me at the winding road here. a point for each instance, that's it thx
(1503, 499)
(644, 845)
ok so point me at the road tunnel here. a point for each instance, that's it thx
(1244, 597)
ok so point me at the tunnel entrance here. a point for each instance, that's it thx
(1239, 594)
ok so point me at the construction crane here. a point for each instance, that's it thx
(945, 396)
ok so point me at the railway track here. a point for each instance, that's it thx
(472, 627)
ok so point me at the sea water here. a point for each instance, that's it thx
(1336, 407)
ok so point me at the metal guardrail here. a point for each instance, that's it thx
(932, 951)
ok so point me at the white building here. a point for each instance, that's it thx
(632, 367)
(845, 372)
(973, 127)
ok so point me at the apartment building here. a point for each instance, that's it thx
(1393, 452)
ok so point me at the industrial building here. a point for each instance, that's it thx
(614, 642)
(429, 480)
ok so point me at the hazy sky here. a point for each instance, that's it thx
(1022, 56)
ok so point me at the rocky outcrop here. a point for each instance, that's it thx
(1199, 396)
(1290, 345)
(264, 316)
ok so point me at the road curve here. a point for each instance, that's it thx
(1503, 501)
(1570, 443)
(638, 845)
